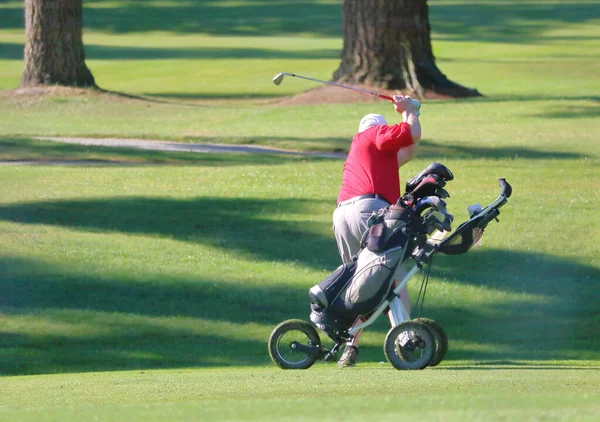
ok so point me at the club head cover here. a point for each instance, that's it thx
(427, 186)
(434, 168)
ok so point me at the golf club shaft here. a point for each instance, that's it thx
(374, 94)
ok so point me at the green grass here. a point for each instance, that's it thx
(19, 149)
(187, 266)
(462, 393)
(494, 128)
(143, 285)
(488, 45)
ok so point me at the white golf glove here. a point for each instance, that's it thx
(416, 106)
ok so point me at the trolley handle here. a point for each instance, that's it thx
(506, 188)
(501, 200)
(484, 216)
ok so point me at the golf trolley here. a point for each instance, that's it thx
(415, 229)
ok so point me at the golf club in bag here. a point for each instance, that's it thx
(401, 241)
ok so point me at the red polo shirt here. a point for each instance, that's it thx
(372, 163)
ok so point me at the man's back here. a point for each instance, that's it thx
(372, 164)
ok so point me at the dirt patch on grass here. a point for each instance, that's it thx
(324, 94)
(32, 94)
(329, 94)
(47, 91)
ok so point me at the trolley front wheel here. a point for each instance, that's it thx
(409, 345)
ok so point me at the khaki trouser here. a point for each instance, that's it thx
(349, 224)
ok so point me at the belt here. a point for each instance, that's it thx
(359, 197)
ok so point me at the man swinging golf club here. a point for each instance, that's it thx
(370, 181)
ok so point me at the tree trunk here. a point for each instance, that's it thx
(54, 44)
(387, 44)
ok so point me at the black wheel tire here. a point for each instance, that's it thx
(403, 358)
(282, 337)
(440, 338)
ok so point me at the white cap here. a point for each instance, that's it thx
(371, 120)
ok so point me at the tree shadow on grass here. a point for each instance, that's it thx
(92, 323)
(11, 51)
(138, 347)
(516, 98)
(572, 111)
(102, 52)
(14, 51)
(507, 22)
(439, 148)
(481, 21)
(243, 225)
(25, 148)
(253, 18)
(533, 307)
(15, 149)
(101, 342)
(31, 284)
(530, 306)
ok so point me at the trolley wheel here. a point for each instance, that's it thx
(409, 345)
(284, 339)
(440, 338)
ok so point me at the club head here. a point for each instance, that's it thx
(442, 193)
(278, 78)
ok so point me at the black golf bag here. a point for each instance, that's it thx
(415, 229)
(357, 288)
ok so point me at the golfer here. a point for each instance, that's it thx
(370, 181)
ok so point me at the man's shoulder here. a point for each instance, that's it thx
(372, 134)
(392, 128)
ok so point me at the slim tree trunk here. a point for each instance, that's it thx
(54, 45)
(387, 44)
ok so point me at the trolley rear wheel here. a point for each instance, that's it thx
(286, 341)
(440, 338)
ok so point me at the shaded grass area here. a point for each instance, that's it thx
(26, 149)
(96, 276)
(499, 128)
(13, 149)
(432, 150)
(127, 322)
(482, 20)
(197, 16)
(235, 224)
(14, 51)
(533, 305)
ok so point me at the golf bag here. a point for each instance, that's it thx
(357, 288)
(415, 229)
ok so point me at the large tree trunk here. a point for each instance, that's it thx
(387, 44)
(54, 45)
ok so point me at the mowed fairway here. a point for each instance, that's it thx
(143, 285)
(249, 394)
